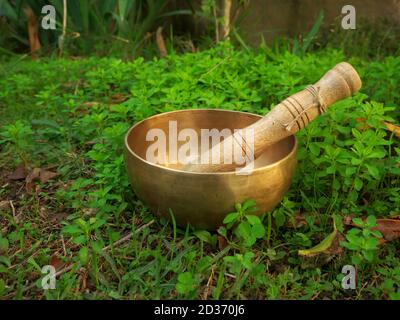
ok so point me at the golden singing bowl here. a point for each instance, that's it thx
(204, 199)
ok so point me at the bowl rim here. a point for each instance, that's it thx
(177, 171)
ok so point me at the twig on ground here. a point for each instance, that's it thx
(207, 290)
(63, 245)
(14, 212)
(128, 236)
(216, 66)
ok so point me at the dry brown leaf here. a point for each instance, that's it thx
(393, 128)
(33, 175)
(90, 143)
(365, 126)
(83, 108)
(46, 175)
(336, 248)
(117, 98)
(56, 262)
(42, 175)
(347, 220)
(160, 42)
(389, 126)
(221, 242)
(390, 228)
(33, 27)
(19, 173)
(312, 257)
(328, 246)
(82, 280)
(90, 104)
(58, 217)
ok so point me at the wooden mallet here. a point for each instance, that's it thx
(285, 119)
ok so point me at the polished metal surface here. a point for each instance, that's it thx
(203, 199)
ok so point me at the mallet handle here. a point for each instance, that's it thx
(291, 115)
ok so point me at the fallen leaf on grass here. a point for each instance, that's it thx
(221, 242)
(330, 245)
(365, 126)
(160, 42)
(33, 33)
(42, 175)
(4, 204)
(19, 173)
(58, 217)
(84, 107)
(323, 246)
(46, 175)
(56, 262)
(117, 98)
(90, 104)
(90, 143)
(393, 128)
(389, 228)
(389, 126)
(33, 175)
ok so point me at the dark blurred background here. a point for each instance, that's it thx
(128, 28)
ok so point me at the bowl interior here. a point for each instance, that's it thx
(198, 119)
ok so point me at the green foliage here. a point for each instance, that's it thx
(206, 236)
(185, 283)
(301, 48)
(106, 26)
(61, 113)
(348, 156)
(390, 285)
(82, 233)
(248, 227)
(4, 244)
(284, 212)
(18, 139)
(363, 240)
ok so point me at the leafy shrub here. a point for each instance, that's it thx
(348, 164)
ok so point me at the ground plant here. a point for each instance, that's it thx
(65, 199)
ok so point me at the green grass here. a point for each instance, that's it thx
(69, 116)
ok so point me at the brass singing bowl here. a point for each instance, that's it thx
(204, 199)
